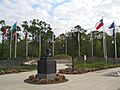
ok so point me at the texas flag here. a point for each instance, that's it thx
(99, 24)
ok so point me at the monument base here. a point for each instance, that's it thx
(46, 68)
(48, 76)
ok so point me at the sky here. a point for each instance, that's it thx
(62, 15)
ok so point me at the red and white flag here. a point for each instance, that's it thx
(99, 24)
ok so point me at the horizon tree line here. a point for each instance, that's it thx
(36, 35)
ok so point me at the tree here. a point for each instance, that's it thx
(37, 29)
(2, 22)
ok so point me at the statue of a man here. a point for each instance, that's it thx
(48, 52)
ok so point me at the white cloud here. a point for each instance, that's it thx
(19, 11)
(88, 13)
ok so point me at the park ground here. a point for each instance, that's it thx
(97, 80)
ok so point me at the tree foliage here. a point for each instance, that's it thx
(36, 27)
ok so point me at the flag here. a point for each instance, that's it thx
(112, 26)
(15, 26)
(14, 29)
(99, 24)
(15, 37)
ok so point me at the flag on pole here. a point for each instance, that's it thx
(15, 37)
(15, 26)
(99, 24)
(14, 29)
(112, 26)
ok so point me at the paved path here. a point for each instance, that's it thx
(89, 81)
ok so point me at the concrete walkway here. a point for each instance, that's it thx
(89, 81)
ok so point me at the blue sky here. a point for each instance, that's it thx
(62, 14)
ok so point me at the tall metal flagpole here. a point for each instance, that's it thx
(53, 45)
(105, 48)
(104, 45)
(26, 36)
(26, 47)
(39, 44)
(66, 43)
(79, 42)
(15, 44)
(92, 43)
(2, 47)
(115, 44)
(72, 50)
(10, 44)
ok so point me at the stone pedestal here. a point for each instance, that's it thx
(46, 68)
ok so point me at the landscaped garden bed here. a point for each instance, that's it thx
(16, 69)
(81, 67)
(33, 79)
(14, 66)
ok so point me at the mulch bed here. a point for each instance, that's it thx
(12, 70)
(70, 71)
(33, 79)
(82, 71)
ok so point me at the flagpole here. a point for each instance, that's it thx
(92, 43)
(112, 26)
(39, 44)
(53, 45)
(2, 47)
(79, 42)
(15, 44)
(104, 45)
(10, 44)
(66, 43)
(115, 44)
(26, 48)
(26, 45)
(105, 49)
